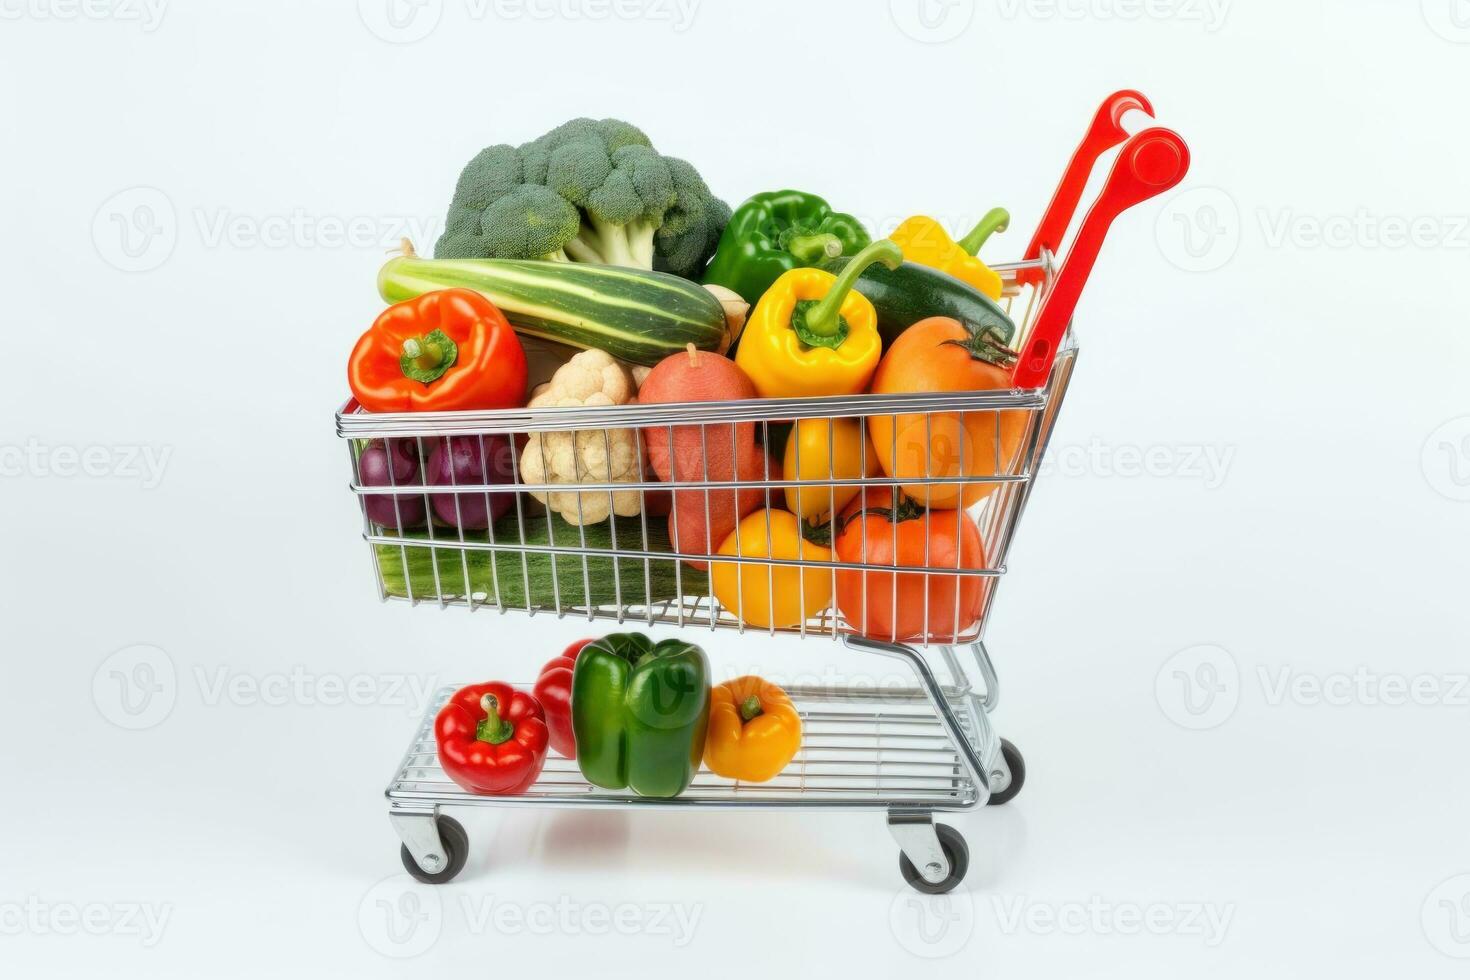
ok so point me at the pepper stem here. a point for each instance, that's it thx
(427, 358)
(811, 249)
(493, 728)
(750, 708)
(996, 219)
(824, 318)
(425, 354)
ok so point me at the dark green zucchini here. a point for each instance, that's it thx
(418, 568)
(908, 294)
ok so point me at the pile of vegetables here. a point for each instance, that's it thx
(590, 240)
(635, 715)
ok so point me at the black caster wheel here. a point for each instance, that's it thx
(456, 850)
(955, 849)
(1017, 765)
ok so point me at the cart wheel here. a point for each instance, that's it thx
(955, 850)
(1017, 766)
(456, 850)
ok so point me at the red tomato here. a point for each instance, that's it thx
(936, 607)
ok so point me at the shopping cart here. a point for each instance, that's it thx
(909, 751)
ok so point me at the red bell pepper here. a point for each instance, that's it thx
(554, 690)
(446, 351)
(492, 739)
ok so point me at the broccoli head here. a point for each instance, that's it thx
(588, 191)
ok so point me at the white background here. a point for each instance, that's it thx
(1269, 316)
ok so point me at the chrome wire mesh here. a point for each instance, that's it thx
(887, 749)
(451, 518)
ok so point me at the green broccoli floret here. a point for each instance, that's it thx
(588, 191)
(692, 226)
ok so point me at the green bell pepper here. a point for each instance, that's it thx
(639, 712)
(776, 232)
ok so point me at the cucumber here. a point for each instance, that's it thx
(908, 294)
(493, 573)
(634, 314)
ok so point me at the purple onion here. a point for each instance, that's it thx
(394, 511)
(468, 461)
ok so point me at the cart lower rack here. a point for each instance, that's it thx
(891, 751)
(601, 547)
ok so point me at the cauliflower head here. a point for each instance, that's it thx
(591, 379)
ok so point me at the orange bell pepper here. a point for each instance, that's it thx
(754, 730)
(446, 351)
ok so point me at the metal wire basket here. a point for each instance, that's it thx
(603, 549)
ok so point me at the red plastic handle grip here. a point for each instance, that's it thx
(1149, 164)
(1105, 133)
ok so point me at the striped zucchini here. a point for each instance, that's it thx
(635, 315)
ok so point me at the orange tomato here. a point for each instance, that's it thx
(941, 354)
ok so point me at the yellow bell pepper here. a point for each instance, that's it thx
(826, 450)
(754, 730)
(812, 334)
(925, 241)
(771, 595)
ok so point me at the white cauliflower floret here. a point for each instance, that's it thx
(589, 380)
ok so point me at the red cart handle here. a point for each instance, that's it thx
(1105, 133)
(1149, 164)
